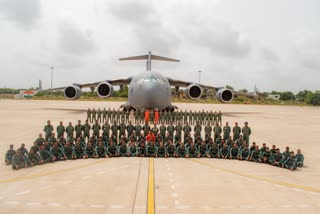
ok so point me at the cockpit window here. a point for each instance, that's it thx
(150, 79)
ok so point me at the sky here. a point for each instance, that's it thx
(274, 44)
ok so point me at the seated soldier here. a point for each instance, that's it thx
(33, 158)
(9, 155)
(19, 161)
(112, 150)
(47, 146)
(273, 149)
(224, 151)
(151, 149)
(57, 152)
(40, 140)
(101, 150)
(170, 150)
(68, 151)
(263, 149)
(208, 138)
(23, 150)
(46, 155)
(133, 137)
(213, 150)
(266, 157)
(244, 154)
(122, 149)
(52, 139)
(229, 141)
(239, 141)
(253, 147)
(62, 140)
(290, 162)
(181, 151)
(188, 139)
(234, 151)
(192, 151)
(255, 155)
(78, 151)
(158, 139)
(277, 158)
(285, 154)
(90, 151)
(142, 149)
(299, 158)
(161, 150)
(35, 147)
(133, 150)
(202, 150)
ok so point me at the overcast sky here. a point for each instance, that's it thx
(272, 43)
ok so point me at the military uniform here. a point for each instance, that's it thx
(48, 129)
(96, 129)
(68, 151)
(236, 132)
(299, 160)
(90, 152)
(219, 116)
(246, 131)
(170, 151)
(213, 150)
(202, 151)
(197, 130)
(60, 130)
(58, 153)
(234, 152)
(186, 131)
(226, 132)
(217, 132)
(133, 150)
(19, 161)
(207, 130)
(78, 129)
(89, 115)
(33, 159)
(290, 163)
(255, 155)
(101, 151)
(40, 141)
(192, 151)
(46, 156)
(69, 130)
(163, 129)
(181, 151)
(142, 150)
(151, 150)
(146, 129)
(99, 114)
(161, 151)
(178, 129)
(9, 155)
(155, 130)
(277, 159)
(112, 150)
(244, 154)
(104, 115)
(224, 152)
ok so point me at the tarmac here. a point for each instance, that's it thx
(147, 185)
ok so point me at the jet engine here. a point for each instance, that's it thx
(224, 95)
(193, 91)
(104, 90)
(72, 92)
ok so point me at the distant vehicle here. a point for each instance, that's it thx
(150, 89)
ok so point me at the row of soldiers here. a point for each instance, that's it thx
(118, 131)
(45, 153)
(154, 116)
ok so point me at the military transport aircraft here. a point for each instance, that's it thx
(150, 89)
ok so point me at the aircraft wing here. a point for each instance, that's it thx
(123, 81)
(181, 83)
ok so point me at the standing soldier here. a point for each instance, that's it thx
(211, 117)
(109, 112)
(69, 130)
(126, 116)
(186, 131)
(106, 131)
(165, 117)
(60, 129)
(170, 116)
(138, 129)
(236, 132)
(118, 115)
(202, 117)
(48, 129)
(99, 115)
(215, 115)
(220, 118)
(208, 129)
(155, 129)
(86, 130)
(122, 129)
(93, 115)
(78, 128)
(191, 117)
(136, 117)
(197, 129)
(185, 116)
(170, 129)
(89, 114)
(178, 129)
(146, 129)
(113, 115)
(226, 131)
(96, 128)
(246, 132)
(163, 130)
(151, 116)
(114, 130)
(104, 115)
(217, 131)
(130, 128)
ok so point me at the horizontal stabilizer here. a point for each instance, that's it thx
(153, 57)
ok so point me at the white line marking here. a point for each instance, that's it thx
(23, 193)
(54, 204)
(85, 177)
(33, 203)
(97, 206)
(116, 206)
(183, 207)
(45, 187)
(162, 207)
(100, 173)
(66, 182)
(76, 205)
(12, 202)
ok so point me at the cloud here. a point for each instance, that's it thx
(73, 41)
(25, 13)
(269, 54)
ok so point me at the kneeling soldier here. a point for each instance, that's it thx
(234, 151)
(112, 150)
(19, 161)
(123, 150)
(170, 149)
(213, 150)
(101, 150)
(142, 149)
(192, 151)
(161, 150)
(181, 151)
(90, 151)
(202, 150)
(224, 151)
(78, 151)
(290, 162)
(244, 153)
(299, 158)
(151, 149)
(9, 155)
(133, 150)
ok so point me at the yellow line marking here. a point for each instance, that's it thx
(150, 205)
(297, 186)
(48, 173)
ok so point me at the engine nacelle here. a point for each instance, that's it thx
(224, 95)
(104, 90)
(72, 92)
(193, 91)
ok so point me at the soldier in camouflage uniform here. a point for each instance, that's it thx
(48, 129)
(133, 150)
(178, 129)
(277, 158)
(192, 151)
(33, 158)
(217, 131)
(96, 129)
(69, 130)
(130, 128)
(202, 150)
(112, 150)
(60, 129)
(68, 151)
(224, 151)
(181, 151)
(9, 155)
(163, 129)
(170, 151)
(234, 152)
(86, 130)
(106, 131)
(57, 152)
(226, 131)
(290, 162)
(255, 154)
(299, 158)
(99, 114)
(89, 114)
(244, 153)
(213, 150)
(104, 115)
(46, 155)
(219, 116)
(186, 131)
(197, 129)
(19, 161)
(78, 128)
(236, 132)
(101, 150)
(90, 151)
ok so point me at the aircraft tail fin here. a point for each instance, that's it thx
(149, 57)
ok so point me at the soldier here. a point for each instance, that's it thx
(122, 129)
(112, 150)
(170, 116)
(203, 117)
(86, 130)
(48, 129)
(197, 129)
(60, 129)
(126, 116)
(217, 132)
(109, 112)
(151, 150)
(185, 116)
(290, 162)
(113, 115)
(255, 154)
(23, 150)
(253, 147)
(142, 149)
(163, 129)
(299, 158)
(71, 139)
(277, 158)
(170, 152)
(104, 115)
(181, 151)
(105, 131)
(78, 129)
(186, 131)
(263, 149)
(234, 152)
(136, 117)
(96, 129)
(165, 117)
(101, 150)
(236, 132)
(40, 140)
(19, 161)
(266, 156)
(213, 150)
(99, 115)
(244, 153)
(155, 129)
(133, 150)
(226, 131)
(224, 152)
(57, 152)
(9, 155)
(191, 118)
(133, 137)
(52, 139)
(208, 129)
(35, 147)
(178, 129)
(246, 131)
(33, 158)
(118, 116)
(240, 142)
(219, 116)
(46, 155)
(131, 116)
(114, 129)
(161, 150)
(69, 130)
(202, 150)
(192, 151)
(146, 129)
(285, 154)
(130, 128)
(122, 149)
(93, 115)
(177, 138)
(150, 137)
(89, 114)
(68, 151)
(138, 129)
(151, 116)
(273, 150)
(90, 151)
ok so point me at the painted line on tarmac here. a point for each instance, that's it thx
(11, 180)
(281, 183)
(150, 203)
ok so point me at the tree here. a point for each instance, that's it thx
(244, 90)
(287, 95)
(302, 95)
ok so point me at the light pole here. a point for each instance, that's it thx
(199, 75)
(51, 77)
